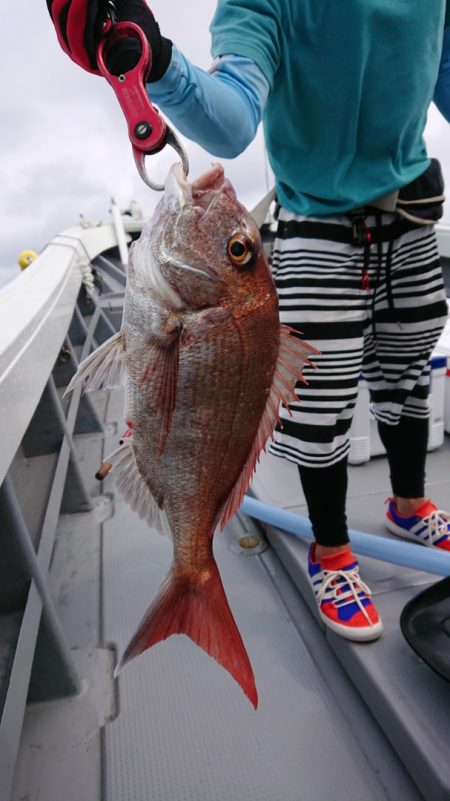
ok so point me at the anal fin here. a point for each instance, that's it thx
(134, 489)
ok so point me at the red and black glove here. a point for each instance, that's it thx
(78, 28)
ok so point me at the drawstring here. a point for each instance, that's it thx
(390, 296)
(379, 227)
(365, 283)
(362, 236)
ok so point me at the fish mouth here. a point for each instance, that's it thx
(197, 195)
(200, 193)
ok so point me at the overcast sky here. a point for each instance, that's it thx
(64, 144)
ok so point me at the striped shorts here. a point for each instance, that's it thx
(375, 308)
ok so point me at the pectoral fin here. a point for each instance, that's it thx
(161, 374)
(102, 369)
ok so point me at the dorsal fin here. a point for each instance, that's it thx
(292, 357)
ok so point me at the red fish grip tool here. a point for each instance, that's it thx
(148, 131)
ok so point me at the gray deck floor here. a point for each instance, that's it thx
(410, 702)
(175, 727)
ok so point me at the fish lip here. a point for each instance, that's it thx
(200, 193)
(206, 188)
(177, 190)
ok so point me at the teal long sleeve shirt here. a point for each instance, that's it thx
(329, 147)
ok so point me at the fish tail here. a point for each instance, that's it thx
(195, 604)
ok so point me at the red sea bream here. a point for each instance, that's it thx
(205, 363)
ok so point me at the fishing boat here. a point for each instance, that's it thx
(336, 720)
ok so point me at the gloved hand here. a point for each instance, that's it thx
(78, 28)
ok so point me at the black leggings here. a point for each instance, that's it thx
(325, 489)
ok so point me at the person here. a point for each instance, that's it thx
(343, 91)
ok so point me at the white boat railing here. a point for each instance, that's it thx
(35, 312)
(41, 328)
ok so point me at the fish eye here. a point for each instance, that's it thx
(240, 250)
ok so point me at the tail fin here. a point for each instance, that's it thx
(196, 605)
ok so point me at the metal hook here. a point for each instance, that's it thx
(169, 139)
(147, 129)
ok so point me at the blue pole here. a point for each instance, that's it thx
(387, 550)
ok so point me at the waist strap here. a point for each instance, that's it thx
(384, 231)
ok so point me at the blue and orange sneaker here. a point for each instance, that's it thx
(344, 601)
(428, 525)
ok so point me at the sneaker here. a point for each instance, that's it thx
(428, 525)
(343, 599)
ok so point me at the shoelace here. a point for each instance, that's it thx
(355, 586)
(437, 526)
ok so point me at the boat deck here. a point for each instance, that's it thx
(174, 725)
(335, 720)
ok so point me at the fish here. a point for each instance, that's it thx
(205, 363)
